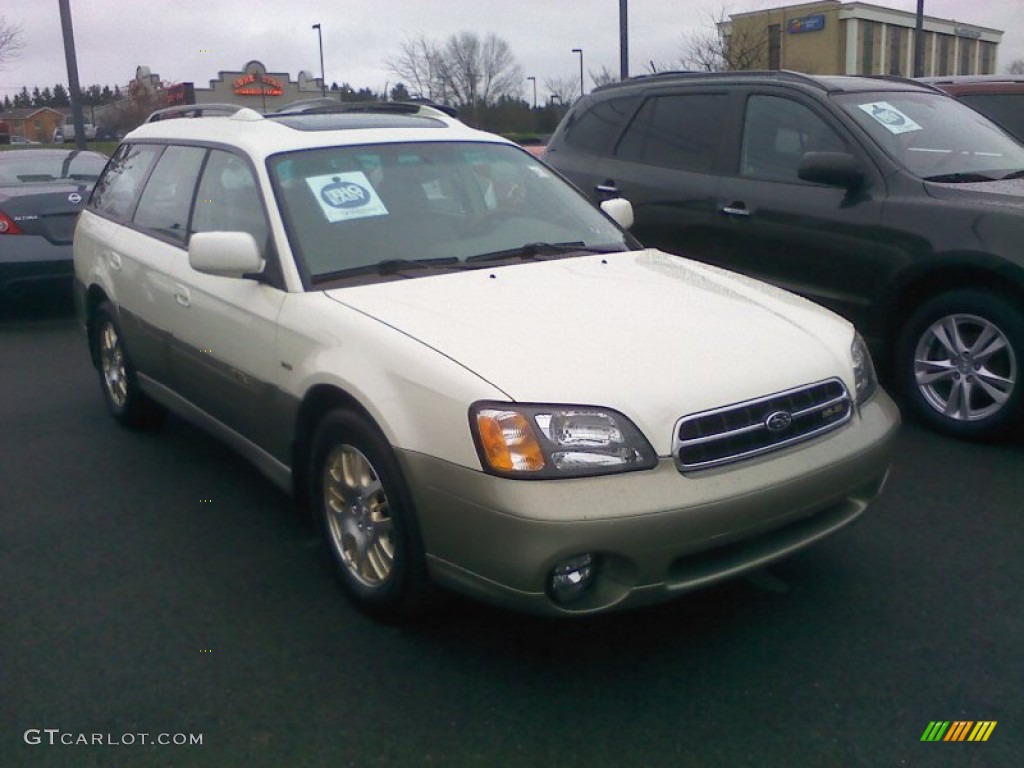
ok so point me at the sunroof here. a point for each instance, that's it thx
(349, 120)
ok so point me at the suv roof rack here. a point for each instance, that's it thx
(379, 107)
(193, 110)
(779, 74)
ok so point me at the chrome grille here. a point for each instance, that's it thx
(742, 430)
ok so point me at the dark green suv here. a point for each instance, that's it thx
(885, 200)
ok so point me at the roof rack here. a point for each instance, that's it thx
(778, 74)
(901, 79)
(193, 110)
(957, 79)
(378, 107)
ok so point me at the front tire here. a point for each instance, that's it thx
(960, 360)
(366, 516)
(125, 400)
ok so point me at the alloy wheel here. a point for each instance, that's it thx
(358, 516)
(965, 367)
(112, 363)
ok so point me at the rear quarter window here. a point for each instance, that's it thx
(117, 189)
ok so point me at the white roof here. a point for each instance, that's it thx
(260, 136)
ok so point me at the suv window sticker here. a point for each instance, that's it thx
(346, 196)
(890, 118)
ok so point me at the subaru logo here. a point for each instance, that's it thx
(778, 421)
(74, 198)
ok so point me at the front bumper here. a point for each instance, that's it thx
(657, 533)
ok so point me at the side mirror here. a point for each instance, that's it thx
(837, 169)
(225, 254)
(620, 210)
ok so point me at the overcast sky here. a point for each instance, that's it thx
(192, 40)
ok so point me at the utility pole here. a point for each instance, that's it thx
(72, 63)
(919, 41)
(623, 41)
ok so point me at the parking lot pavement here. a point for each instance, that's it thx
(154, 583)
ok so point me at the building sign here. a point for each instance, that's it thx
(180, 94)
(814, 23)
(258, 85)
(967, 32)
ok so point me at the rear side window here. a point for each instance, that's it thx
(167, 198)
(680, 131)
(597, 128)
(117, 189)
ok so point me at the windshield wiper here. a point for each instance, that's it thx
(394, 266)
(389, 267)
(959, 178)
(530, 251)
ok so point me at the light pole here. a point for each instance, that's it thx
(323, 82)
(919, 41)
(534, 81)
(580, 52)
(623, 40)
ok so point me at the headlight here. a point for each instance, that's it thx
(545, 441)
(863, 370)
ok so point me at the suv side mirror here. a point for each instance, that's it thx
(837, 169)
(620, 210)
(226, 254)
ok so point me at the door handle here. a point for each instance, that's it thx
(115, 261)
(182, 296)
(737, 208)
(608, 188)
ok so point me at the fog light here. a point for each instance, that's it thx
(570, 578)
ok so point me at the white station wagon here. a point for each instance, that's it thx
(471, 377)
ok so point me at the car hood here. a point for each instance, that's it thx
(652, 335)
(1002, 192)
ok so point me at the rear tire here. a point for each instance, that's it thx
(959, 363)
(363, 508)
(125, 400)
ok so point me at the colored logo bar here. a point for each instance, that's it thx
(958, 730)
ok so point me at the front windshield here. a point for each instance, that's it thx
(935, 137)
(351, 207)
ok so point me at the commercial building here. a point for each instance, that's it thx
(834, 38)
(251, 86)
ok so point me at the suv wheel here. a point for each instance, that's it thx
(126, 401)
(959, 361)
(366, 516)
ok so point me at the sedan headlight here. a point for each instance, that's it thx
(863, 370)
(545, 441)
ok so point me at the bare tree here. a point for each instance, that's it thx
(725, 45)
(1016, 67)
(418, 64)
(563, 89)
(604, 77)
(465, 70)
(11, 43)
